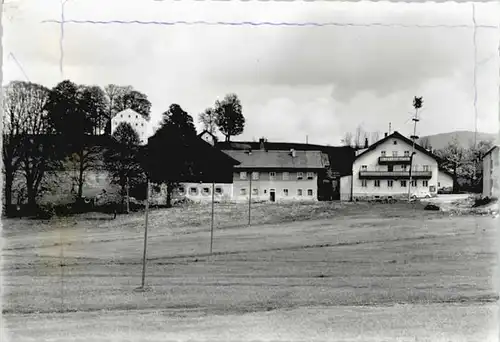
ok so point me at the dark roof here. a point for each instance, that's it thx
(398, 135)
(278, 159)
(340, 157)
(489, 151)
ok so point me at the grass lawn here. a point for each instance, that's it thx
(319, 271)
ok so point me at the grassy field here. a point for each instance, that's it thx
(300, 272)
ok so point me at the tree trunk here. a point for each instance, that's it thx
(128, 197)
(228, 137)
(9, 181)
(169, 195)
(31, 195)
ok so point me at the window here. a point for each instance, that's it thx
(395, 142)
(426, 167)
(426, 183)
(142, 124)
(377, 183)
(414, 183)
(382, 153)
(129, 116)
(364, 183)
(218, 191)
(265, 191)
(404, 167)
(181, 190)
(394, 153)
(121, 116)
(136, 123)
(309, 192)
(389, 183)
(285, 175)
(439, 184)
(243, 191)
(136, 117)
(243, 175)
(363, 167)
(193, 191)
(403, 184)
(206, 191)
(407, 153)
(300, 175)
(299, 192)
(272, 175)
(285, 192)
(310, 175)
(255, 192)
(255, 175)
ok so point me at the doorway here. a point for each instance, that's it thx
(390, 168)
(272, 195)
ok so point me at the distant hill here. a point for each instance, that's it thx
(464, 138)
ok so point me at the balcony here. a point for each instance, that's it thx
(415, 174)
(394, 160)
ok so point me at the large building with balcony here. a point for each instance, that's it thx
(383, 170)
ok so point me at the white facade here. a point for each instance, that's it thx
(391, 179)
(136, 120)
(208, 137)
(444, 180)
(490, 173)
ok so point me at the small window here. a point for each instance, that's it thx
(310, 175)
(404, 167)
(363, 167)
(403, 184)
(136, 124)
(439, 184)
(299, 192)
(395, 142)
(426, 167)
(414, 183)
(181, 190)
(255, 192)
(285, 192)
(364, 183)
(243, 175)
(142, 124)
(255, 175)
(136, 117)
(382, 153)
(206, 191)
(377, 183)
(121, 116)
(394, 153)
(309, 192)
(243, 191)
(426, 183)
(218, 190)
(389, 183)
(285, 175)
(193, 191)
(129, 116)
(300, 175)
(407, 153)
(265, 191)
(272, 175)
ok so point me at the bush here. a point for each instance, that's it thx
(431, 207)
(481, 201)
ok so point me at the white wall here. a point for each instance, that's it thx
(490, 174)
(137, 121)
(370, 159)
(345, 188)
(444, 180)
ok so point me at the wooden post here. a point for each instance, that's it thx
(212, 221)
(128, 197)
(250, 200)
(145, 238)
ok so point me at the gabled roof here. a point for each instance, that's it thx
(206, 131)
(399, 136)
(490, 150)
(446, 171)
(278, 159)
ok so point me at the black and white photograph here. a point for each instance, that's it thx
(250, 170)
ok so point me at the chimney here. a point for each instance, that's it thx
(366, 142)
(292, 153)
(385, 135)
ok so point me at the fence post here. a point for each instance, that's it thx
(212, 221)
(145, 238)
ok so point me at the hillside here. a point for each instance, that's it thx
(464, 138)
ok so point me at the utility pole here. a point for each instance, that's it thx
(145, 239)
(212, 223)
(417, 104)
(250, 199)
(128, 197)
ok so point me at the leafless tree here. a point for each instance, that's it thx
(347, 141)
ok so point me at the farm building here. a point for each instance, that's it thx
(490, 173)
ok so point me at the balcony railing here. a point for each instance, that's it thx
(394, 160)
(366, 174)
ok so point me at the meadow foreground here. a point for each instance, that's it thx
(367, 273)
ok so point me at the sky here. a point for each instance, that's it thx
(293, 81)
